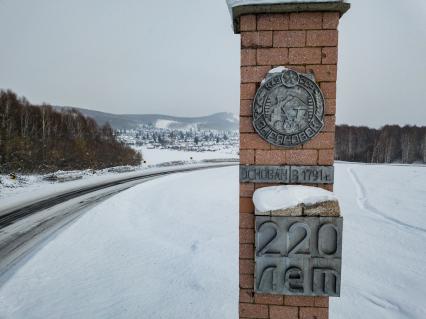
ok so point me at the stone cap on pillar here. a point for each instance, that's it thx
(238, 8)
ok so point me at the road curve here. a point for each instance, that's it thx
(7, 218)
(23, 228)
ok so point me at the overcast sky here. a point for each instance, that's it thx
(181, 57)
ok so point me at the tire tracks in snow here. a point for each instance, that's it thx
(365, 205)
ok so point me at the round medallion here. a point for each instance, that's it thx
(288, 109)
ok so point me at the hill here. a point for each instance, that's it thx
(218, 121)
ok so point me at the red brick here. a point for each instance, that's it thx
(246, 205)
(248, 22)
(273, 22)
(305, 55)
(329, 55)
(323, 72)
(247, 157)
(325, 157)
(305, 20)
(281, 312)
(269, 157)
(289, 39)
(247, 189)
(330, 106)
(298, 68)
(302, 157)
(321, 141)
(329, 123)
(313, 313)
(247, 266)
(245, 107)
(321, 38)
(246, 237)
(246, 251)
(268, 299)
(280, 148)
(321, 302)
(272, 56)
(327, 187)
(246, 281)
(328, 89)
(246, 220)
(253, 74)
(248, 57)
(246, 295)
(256, 39)
(298, 301)
(253, 311)
(246, 125)
(247, 91)
(330, 20)
(253, 141)
(261, 185)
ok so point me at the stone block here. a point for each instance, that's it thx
(327, 208)
(298, 256)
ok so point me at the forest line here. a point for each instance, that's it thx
(38, 138)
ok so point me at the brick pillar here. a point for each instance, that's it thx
(306, 42)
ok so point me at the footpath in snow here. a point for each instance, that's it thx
(168, 248)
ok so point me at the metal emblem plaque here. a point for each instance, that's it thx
(288, 109)
(298, 255)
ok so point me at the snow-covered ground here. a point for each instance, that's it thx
(169, 249)
(384, 236)
(164, 249)
(154, 156)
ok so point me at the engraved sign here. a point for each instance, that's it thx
(298, 255)
(288, 109)
(286, 174)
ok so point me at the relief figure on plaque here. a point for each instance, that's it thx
(289, 111)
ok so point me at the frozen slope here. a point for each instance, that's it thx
(169, 249)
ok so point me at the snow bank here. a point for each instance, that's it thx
(26, 193)
(26, 189)
(282, 197)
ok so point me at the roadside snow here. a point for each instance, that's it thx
(282, 197)
(12, 198)
(169, 249)
(27, 188)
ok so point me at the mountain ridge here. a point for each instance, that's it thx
(215, 121)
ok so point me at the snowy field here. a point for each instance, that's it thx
(154, 156)
(169, 249)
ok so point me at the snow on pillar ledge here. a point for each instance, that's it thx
(237, 8)
(295, 201)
